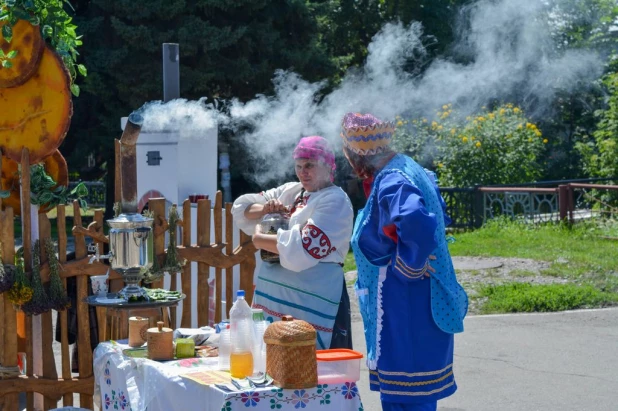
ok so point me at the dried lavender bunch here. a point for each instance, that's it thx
(21, 291)
(172, 264)
(7, 274)
(58, 298)
(39, 303)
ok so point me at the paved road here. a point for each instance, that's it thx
(559, 361)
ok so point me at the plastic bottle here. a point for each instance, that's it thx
(225, 346)
(241, 328)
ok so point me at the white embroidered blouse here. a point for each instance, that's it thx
(320, 226)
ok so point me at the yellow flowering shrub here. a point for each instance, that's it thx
(491, 147)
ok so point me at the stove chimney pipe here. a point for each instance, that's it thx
(128, 162)
(171, 72)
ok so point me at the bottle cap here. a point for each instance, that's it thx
(240, 293)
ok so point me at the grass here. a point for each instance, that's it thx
(524, 297)
(582, 255)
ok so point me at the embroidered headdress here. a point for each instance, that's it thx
(365, 134)
(316, 148)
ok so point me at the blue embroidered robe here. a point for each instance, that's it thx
(409, 318)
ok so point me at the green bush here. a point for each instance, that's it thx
(524, 297)
(492, 147)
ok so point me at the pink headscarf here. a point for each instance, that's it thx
(316, 148)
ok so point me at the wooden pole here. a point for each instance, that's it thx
(186, 270)
(67, 399)
(83, 317)
(9, 402)
(47, 329)
(203, 269)
(218, 240)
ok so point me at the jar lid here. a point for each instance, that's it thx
(290, 332)
(160, 329)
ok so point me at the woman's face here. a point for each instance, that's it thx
(312, 174)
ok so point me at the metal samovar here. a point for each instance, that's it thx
(131, 251)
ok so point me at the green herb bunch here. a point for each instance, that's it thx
(56, 29)
(39, 303)
(43, 193)
(172, 264)
(7, 274)
(58, 298)
(21, 291)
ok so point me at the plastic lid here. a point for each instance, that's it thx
(339, 354)
(240, 293)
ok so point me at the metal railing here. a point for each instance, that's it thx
(537, 202)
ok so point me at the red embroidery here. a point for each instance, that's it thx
(316, 242)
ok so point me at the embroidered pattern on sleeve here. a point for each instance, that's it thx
(409, 272)
(316, 242)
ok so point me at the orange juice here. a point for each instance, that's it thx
(241, 364)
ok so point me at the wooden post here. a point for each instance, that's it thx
(157, 206)
(47, 329)
(9, 402)
(229, 248)
(26, 226)
(218, 240)
(186, 271)
(83, 320)
(203, 269)
(101, 311)
(67, 399)
(247, 268)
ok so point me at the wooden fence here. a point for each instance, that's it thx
(56, 385)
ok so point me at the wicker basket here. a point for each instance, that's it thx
(290, 353)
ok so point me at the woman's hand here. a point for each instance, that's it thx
(273, 206)
(256, 211)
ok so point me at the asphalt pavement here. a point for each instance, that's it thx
(528, 362)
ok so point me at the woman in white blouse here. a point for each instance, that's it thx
(308, 283)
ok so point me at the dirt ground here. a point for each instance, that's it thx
(475, 271)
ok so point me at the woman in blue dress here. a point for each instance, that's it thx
(410, 300)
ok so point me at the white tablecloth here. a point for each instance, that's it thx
(123, 383)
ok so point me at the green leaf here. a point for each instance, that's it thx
(75, 89)
(7, 64)
(7, 32)
(80, 190)
(47, 31)
(2, 55)
(82, 70)
(34, 20)
(12, 54)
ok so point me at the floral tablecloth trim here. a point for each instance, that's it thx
(300, 399)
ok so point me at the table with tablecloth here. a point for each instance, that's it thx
(125, 383)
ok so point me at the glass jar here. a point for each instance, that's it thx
(270, 224)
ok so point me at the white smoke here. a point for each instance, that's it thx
(508, 50)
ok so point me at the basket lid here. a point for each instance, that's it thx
(338, 354)
(290, 332)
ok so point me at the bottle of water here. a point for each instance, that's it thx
(225, 346)
(241, 328)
